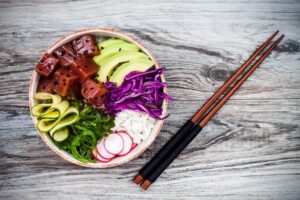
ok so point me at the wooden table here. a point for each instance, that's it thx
(250, 150)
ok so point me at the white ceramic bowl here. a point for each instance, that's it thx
(98, 32)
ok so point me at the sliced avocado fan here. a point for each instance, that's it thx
(108, 65)
(114, 48)
(139, 65)
(107, 43)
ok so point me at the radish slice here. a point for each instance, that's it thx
(97, 157)
(133, 146)
(127, 143)
(114, 143)
(102, 151)
(101, 159)
(94, 152)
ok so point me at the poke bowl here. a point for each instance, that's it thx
(98, 98)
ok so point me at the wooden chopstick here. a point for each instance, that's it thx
(145, 172)
(219, 105)
(195, 131)
(237, 73)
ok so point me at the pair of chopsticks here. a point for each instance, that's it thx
(156, 166)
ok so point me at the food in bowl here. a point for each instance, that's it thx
(137, 124)
(98, 98)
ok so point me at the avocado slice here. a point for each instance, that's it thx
(139, 65)
(114, 48)
(109, 42)
(108, 65)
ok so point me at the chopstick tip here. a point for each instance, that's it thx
(280, 38)
(138, 179)
(145, 185)
(274, 34)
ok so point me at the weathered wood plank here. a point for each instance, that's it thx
(250, 150)
(249, 147)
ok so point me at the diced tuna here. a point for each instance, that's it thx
(93, 92)
(84, 67)
(86, 45)
(45, 85)
(63, 81)
(47, 65)
(66, 55)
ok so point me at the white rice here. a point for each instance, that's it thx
(138, 125)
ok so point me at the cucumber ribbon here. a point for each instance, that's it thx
(54, 117)
(47, 110)
(68, 117)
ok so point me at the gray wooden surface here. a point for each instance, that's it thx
(250, 150)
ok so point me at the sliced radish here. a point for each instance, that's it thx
(127, 143)
(114, 143)
(101, 159)
(102, 151)
(97, 157)
(133, 146)
(94, 152)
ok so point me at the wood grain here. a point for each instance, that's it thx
(250, 150)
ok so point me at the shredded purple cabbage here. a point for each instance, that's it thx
(140, 91)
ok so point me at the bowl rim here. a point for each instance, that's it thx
(48, 141)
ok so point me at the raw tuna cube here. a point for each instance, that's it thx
(63, 80)
(93, 92)
(86, 45)
(45, 85)
(66, 55)
(74, 91)
(84, 67)
(47, 65)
